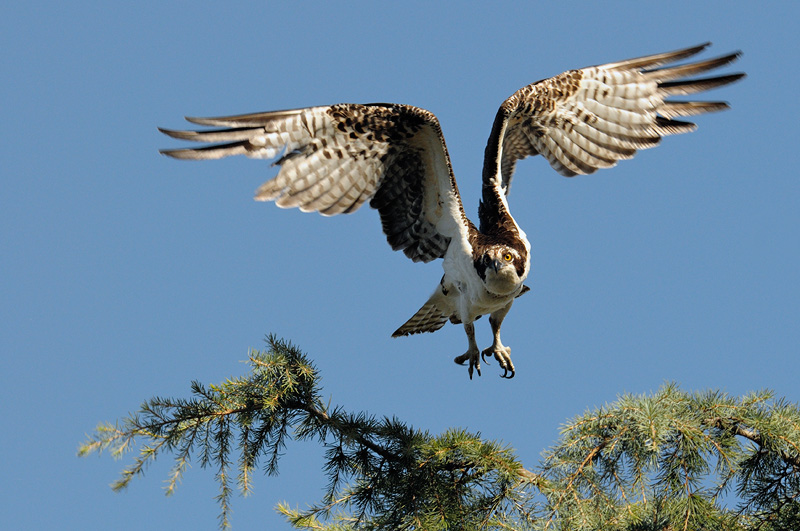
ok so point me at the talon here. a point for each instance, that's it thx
(483, 357)
(475, 367)
(475, 364)
(474, 361)
(503, 356)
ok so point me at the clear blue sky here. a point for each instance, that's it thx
(126, 274)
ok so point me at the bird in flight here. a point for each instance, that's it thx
(334, 158)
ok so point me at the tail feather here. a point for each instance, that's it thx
(429, 318)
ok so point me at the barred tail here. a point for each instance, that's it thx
(429, 318)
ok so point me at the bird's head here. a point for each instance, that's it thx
(502, 269)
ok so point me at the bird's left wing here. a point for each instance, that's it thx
(587, 119)
(334, 158)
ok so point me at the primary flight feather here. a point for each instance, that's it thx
(335, 158)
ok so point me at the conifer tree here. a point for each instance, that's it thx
(658, 462)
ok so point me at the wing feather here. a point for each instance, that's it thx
(678, 72)
(587, 119)
(311, 192)
(333, 159)
(650, 61)
(693, 86)
(626, 142)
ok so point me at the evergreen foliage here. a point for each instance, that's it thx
(672, 460)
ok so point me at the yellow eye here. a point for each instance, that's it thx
(507, 257)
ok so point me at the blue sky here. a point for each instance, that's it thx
(126, 274)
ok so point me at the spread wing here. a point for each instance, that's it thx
(587, 119)
(333, 159)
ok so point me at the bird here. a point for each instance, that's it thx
(332, 159)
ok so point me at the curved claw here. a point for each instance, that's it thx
(474, 362)
(473, 366)
(503, 356)
(513, 372)
(483, 357)
(476, 367)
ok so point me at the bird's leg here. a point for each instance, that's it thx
(500, 352)
(472, 354)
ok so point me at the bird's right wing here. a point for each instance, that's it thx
(334, 158)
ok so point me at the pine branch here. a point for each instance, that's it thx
(648, 461)
(643, 463)
(385, 472)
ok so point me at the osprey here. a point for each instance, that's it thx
(335, 158)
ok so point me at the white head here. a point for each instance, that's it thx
(502, 269)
